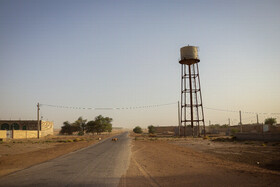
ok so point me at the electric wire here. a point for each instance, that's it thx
(109, 108)
(151, 106)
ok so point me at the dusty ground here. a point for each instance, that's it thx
(19, 154)
(198, 162)
(257, 153)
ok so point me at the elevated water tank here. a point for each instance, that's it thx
(189, 55)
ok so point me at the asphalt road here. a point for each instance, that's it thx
(101, 164)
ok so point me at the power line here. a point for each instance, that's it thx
(223, 110)
(149, 106)
(235, 111)
(108, 108)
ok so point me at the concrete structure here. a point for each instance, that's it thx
(188, 131)
(174, 130)
(222, 130)
(18, 129)
(257, 136)
(166, 130)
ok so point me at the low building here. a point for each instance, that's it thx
(25, 128)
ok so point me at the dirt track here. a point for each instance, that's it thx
(163, 163)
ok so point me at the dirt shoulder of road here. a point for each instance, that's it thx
(20, 154)
(256, 153)
(193, 162)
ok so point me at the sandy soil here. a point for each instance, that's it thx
(192, 162)
(257, 153)
(19, 154)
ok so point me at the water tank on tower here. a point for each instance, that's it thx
(189, 55)
(191, 98)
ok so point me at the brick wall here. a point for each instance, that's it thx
(187, 131)
(162, 130)
(258, 128)
(247, 128)
(175, 130)
(46, 128)
(28, 124)
(22, 134)
(3, 133)
(260, 137)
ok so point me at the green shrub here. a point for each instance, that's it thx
(152, 129)
(270, 121)
(137, 130)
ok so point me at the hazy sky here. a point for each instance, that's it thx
(125, 53)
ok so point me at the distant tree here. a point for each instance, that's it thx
(270, 121)
(80, 125)
(91, 127)
(152, 129)
(102, 124)
(67, 128)
(108, 128)
(137, 130)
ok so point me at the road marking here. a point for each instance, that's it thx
(152, 181)
(139, 149)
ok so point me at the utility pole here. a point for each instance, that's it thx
(38, 120)
(240, 121)
(179, 120)
(228, 121)
(209, 122)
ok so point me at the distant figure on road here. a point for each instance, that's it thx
(115, 139)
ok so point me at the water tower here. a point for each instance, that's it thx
(191, 97)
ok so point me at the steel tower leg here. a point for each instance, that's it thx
(185, 100)
(202, 112)
(190, 104)
(195, 75)
(191, 97)
(182, 83)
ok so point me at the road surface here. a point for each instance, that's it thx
(101, 164)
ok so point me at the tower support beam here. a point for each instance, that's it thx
(191, 98)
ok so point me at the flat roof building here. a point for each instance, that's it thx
(25, 126)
